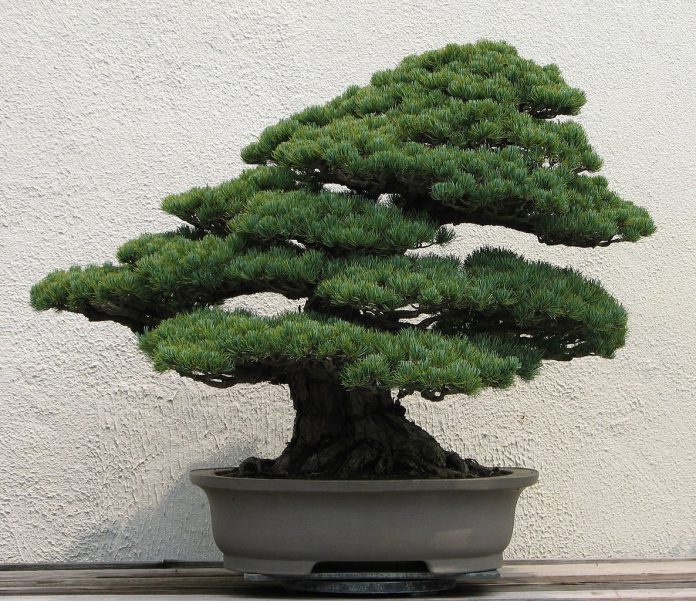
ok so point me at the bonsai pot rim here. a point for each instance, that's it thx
(512, 477)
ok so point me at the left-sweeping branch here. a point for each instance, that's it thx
(167, 274)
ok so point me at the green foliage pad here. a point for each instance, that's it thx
(465, 134)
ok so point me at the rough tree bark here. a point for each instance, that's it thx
(342, 434)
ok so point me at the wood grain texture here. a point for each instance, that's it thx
(519, 580)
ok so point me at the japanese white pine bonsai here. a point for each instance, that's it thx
(465, 134)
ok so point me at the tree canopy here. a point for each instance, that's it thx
(465, 134)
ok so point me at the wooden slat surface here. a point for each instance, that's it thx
(576, 581)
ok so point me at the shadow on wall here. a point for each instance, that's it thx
(177, 528)
(144, 508)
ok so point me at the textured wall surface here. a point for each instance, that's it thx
(108, 106)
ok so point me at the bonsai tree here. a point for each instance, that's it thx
(464, 134)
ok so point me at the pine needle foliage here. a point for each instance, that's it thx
(461, 134)
(213, 345)
(465, 134)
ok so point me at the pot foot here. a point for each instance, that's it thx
(410, 584)
(374, 582)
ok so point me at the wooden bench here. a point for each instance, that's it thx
(519, 580)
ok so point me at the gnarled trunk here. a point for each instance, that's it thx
(355, 434)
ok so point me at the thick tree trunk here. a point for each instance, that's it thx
(341, 434)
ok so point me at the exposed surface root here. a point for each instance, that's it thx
(454, 467)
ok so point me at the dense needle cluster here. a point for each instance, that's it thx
(462, 134)
(465, 134)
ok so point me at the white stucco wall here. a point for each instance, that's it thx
(108, 106)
